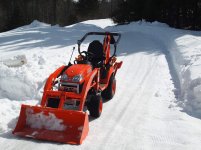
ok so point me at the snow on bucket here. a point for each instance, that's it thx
(65, 126)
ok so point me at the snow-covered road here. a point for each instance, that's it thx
(143, 113)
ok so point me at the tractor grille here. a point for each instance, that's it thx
(69, 87)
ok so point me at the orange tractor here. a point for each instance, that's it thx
(70, 91)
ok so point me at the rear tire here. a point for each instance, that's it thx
(109, 92)
(95, 106)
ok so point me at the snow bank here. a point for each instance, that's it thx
(103, 23)
(37, 23)
(16, 85)
(189, 70)
(9, 113)
(183, 52)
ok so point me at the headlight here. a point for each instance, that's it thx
(64, 77)
(77, 78)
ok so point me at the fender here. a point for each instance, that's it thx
(87, 86)
(117, 66)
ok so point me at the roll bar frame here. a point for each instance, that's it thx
(79, 42)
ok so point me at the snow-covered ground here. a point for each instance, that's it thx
(183, 53)
(158, 99)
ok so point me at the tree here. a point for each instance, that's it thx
(87, 8)
(121, 13)
(180, 13)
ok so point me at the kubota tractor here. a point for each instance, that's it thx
(70, 91)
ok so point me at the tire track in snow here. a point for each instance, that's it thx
(112, 108)
(137, 121)
(132, 106)
(139, 88)
(134, 121)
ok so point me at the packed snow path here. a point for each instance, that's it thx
(142, 115)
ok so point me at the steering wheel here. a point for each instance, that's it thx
(87, 55)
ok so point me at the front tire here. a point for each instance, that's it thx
(95, 106)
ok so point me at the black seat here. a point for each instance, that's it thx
(96, 48)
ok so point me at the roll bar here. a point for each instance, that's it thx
(79, 42)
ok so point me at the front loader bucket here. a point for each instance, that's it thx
(65, 126)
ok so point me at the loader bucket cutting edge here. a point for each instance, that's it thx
(65, 126)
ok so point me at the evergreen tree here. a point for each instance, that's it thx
(177, 13)
(180, 13)
(87, 8)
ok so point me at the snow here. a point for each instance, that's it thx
(158, 99)
(9, 113)
(42, 121)
(182, 49)
(17, 61)
(103, 23)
